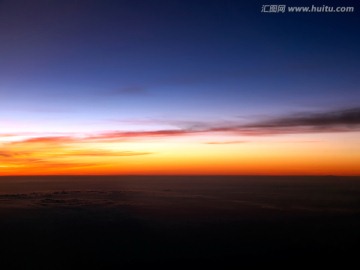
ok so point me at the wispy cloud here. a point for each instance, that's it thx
(227, 142)
(6, 154)
(6, 135)
(137, 134)
(102, 153)
(10, 154)
(130, 90)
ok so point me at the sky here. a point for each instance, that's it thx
(178, 87)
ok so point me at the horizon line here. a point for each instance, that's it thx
(181, 175)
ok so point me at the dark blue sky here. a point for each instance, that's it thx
(90, 65)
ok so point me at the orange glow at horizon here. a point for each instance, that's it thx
(314, 154)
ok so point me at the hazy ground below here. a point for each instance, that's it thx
(109, 222)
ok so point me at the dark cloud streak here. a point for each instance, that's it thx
(349, 117)
(334, 121)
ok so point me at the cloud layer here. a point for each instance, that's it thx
(74, 151)
(333, 121)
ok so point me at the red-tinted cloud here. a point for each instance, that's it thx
(49, 140)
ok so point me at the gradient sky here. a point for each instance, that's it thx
(178, 87)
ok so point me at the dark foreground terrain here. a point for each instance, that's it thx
(170, 222)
